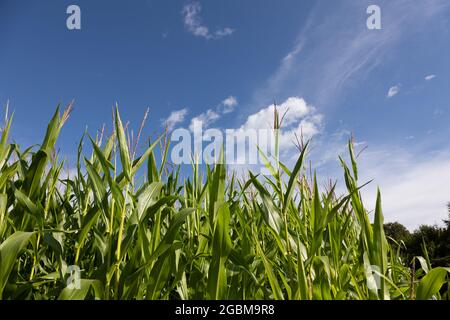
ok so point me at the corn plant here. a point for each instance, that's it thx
(135, 229)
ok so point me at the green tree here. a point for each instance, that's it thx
(397, 231)
(436, 239)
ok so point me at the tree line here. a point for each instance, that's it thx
(433, 241)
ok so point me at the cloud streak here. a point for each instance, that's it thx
(212, 115)
(331, 54)
(229, 104)
(193, 23)
(393, 91)
(175, 118)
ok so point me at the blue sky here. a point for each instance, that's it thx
(195, 59)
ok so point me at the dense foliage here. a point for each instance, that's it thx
(433, 241)
(211, 236)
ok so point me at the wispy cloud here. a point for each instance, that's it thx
(414, 185)
(193, 22)
(223, 32)
(206, 118)
(212, 115)
(332, 54)
(175, 118)
(229, 104)
(393, 91)
(430, 77)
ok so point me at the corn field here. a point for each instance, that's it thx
(136, 230)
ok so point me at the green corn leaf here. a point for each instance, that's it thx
(273, 281)
(148, 197)
(431, 283)
(10, 249)
(294, 176)
(86, 285)
(221, 247)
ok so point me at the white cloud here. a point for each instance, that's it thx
(224, 32)
(175, 118)
(193, 23)
(414, 184)
(394, 90)
(230, 101)
(294, 108)
(414, 188)
(206, 119)
(430, 77)
(228, 104)
(299, 119)
(212, 115)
